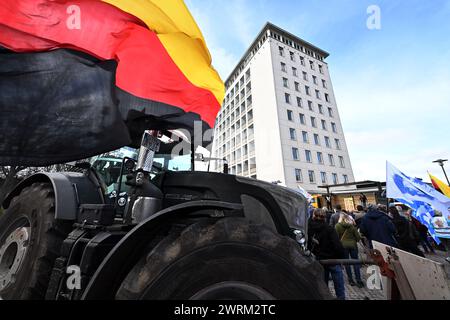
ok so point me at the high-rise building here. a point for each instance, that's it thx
(279, 121)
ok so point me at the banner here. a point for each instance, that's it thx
(417, 195)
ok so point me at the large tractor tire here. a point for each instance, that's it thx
(230, 259)
(30, 241)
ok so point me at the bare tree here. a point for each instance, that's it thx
(8, 175)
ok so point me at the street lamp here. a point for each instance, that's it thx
(441, 163)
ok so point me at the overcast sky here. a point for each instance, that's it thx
(392, 85)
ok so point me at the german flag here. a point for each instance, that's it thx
(440, 185)
(82, 77)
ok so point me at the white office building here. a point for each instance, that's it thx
(279, 121)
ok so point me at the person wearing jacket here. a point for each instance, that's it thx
(349, 236)
(323, 241)
(359, 214)
(335, 216)
(376, 225)
(423, 236)
(405, 233)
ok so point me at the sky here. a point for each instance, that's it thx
(392, 84)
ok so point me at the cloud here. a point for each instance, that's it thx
(223, 58)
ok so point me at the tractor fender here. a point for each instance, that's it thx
(128, 251)
(71, 189)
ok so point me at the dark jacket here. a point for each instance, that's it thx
(329, 246)
(335, 218)
(407, 234)
(376, 225)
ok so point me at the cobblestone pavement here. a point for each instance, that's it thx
(355, 293)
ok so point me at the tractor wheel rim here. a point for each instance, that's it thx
(233, 290)
(12, 255)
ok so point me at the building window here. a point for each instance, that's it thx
(314, 79)
(330, 112)
(313, 122)
(293, 134)
(290, 115)
(319, 157)
(283, 67)
(281, 50)
(287, 98)
(305, 136)
(335, 178)
(323, 177)
(297, 86)
(324, 124)
(331, 160)
(302, 118)
(324, 84)
(305, 76)
(299, 102)
(307, 90)
(308, 156)
(338, 144)
(341, 162)
(295, 154)
(320, 109)
(327, 97)
(302, 61)
(312, 176)
(318, 94)
(310, 106)
(320, 68)
(294, 72)
(333, 127)
(327, 142)
(298, 175)
(316, 139)
(345, 178)
(311, 65)
(285, 83)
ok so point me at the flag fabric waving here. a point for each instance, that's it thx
(417, 195)
(96, 72)
(440, 185)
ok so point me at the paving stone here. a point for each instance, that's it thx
(355, 293)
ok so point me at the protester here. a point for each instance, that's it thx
(323, 241)
(423, 236)
(406, 233)
(349, 236)
(336, 215)
(358, 214)
(376, 225)
(328, 214)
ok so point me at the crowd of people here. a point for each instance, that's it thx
(336, 235)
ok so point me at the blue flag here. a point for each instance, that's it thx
(419, 196)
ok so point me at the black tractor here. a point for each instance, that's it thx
(157, 229)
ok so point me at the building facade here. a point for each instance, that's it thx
(279, 121)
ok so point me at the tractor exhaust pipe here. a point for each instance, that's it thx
(149, 145)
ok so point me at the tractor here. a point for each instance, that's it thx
(148, 226)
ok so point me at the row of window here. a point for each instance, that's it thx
(320, 160)
(305, 77)
(293, 58)
(308, 91)
(313, 121)
(323, 177)
(305, 139)
(310, 105)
